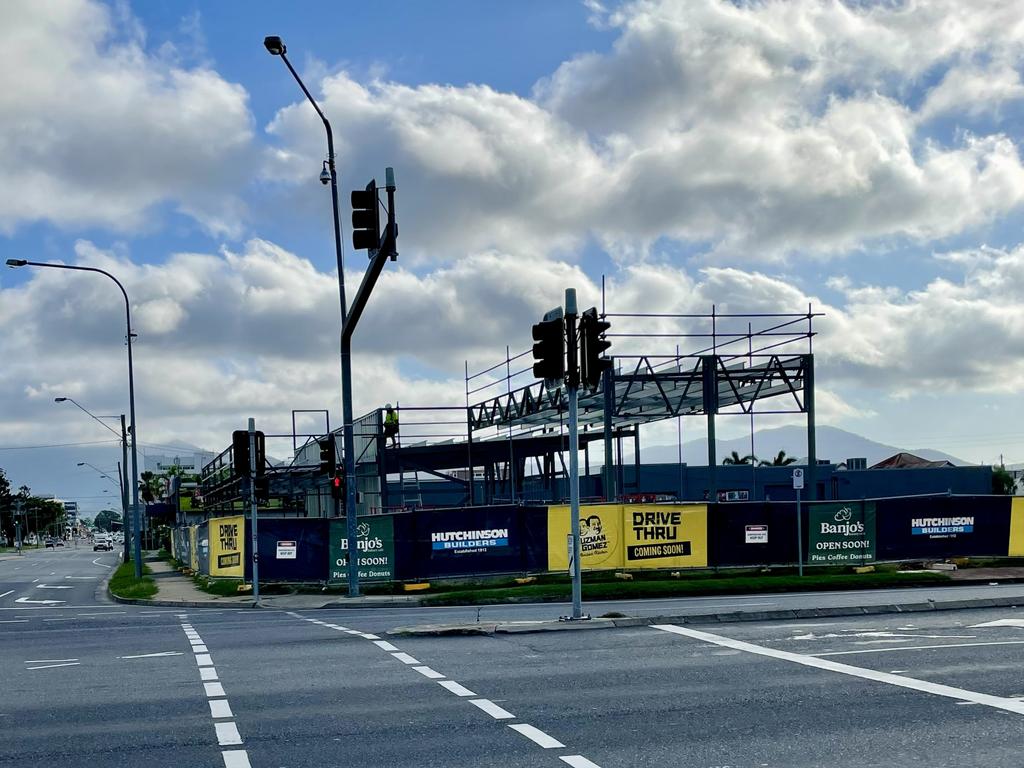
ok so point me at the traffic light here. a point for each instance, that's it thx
(338, 487)
(328, 456)
(365, 218)
(593, 346)
(549, 350)
(240, 453)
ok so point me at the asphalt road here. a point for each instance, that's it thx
(90, 683)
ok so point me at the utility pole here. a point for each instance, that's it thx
(255, 514)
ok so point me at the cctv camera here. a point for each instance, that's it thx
(325, 177)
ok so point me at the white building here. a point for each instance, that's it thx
(191, 462)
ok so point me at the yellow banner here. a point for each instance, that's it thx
(631, 536)
(193, 548)
(600, 537)
(665, 536)
(227, 547)
(1016, 548)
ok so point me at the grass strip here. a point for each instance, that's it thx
(729, 585)
(124, 584)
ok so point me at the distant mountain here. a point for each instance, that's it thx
(833, 444)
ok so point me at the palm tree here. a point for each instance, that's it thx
(735, 458)
(780, 460)
(150, 486)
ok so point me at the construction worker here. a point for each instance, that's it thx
(391, 424)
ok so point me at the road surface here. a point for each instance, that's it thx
(90, 683)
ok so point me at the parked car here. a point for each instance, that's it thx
(50, 542)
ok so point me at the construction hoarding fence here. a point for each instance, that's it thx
(512, 539)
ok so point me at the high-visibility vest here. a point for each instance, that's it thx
(391, 418)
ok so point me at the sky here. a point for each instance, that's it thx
(862, 158)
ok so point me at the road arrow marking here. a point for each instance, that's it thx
(153, 655)
(1001, 623)
(39, 602)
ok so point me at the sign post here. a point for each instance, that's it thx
(798, 485)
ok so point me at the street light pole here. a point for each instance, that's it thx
(137, 553)
(276, 47)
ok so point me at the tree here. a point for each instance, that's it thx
(735, 458)
(106, 520)
(780, 460)
(151, 487)
(1003, 483)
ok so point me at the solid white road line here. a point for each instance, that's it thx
(207, 673)
(220, 708)
(937, 689)
(405, 658)
(101, 565)
(153, 655)
(227, 734)
(53, 586)
(5, 594)
(14, 621)
(83, 578)
(214, 689)
(428, 672)
(578, 761)
(46, 661)
(204, 660)
(492, 709)
(51, 666)
(537, 736)
(458, 690)
(918, 648)
(235, 758)
(385, 645)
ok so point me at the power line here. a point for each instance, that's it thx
(54, 445)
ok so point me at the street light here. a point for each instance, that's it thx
(276, 47)
(122, 466)
(136, 521)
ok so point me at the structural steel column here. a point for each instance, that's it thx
(710, 398)
(812, 449)
(608, 385)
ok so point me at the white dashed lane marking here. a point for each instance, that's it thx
(492, 709)
(537, 736)
(534, 734)
(428, 672)
(456, 688)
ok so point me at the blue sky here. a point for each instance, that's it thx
(757, 156)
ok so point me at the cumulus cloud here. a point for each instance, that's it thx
(760, 130)
(96, 131)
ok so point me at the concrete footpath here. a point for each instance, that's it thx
(970, 588)
(174, 589)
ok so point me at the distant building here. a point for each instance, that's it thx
(910, 461)
(191, 463)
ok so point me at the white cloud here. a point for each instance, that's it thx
(95, 131)
(760, 130)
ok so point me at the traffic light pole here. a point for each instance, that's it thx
(386, 251)
(572, 389)
(255, 514)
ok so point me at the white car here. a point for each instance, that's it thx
(103, 543)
